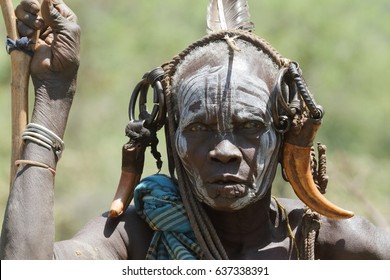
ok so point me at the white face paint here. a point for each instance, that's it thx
(225, 138)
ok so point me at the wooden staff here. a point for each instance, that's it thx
(20, 75)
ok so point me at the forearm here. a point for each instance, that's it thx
(28, 229)
(53, 102)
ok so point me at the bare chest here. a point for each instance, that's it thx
(281, 249)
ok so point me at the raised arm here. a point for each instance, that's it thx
(28, 227)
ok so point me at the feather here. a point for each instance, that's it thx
(228, 15)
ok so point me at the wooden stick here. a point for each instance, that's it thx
(20, 73)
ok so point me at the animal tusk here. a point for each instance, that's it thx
(124, 193)
(296, 164)
(132, 167)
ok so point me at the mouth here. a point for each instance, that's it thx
(226, 187)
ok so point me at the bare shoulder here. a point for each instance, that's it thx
(354, 238)
(125, 237)
(137, 232)
(292, 207)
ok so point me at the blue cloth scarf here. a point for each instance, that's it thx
(158, 202)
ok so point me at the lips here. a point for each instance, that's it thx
(226, 186)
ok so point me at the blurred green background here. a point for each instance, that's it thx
(343, 48)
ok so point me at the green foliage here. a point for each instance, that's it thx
(342, 47)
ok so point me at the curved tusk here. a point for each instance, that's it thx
(297, 167)
(296, 164)
(124, 193)
(132, 167)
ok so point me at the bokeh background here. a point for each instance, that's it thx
(343, 48)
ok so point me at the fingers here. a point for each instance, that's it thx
(28, 20)
(52, 16)
(64, 10)
(31, 6)
(63, 37)
(56, 13)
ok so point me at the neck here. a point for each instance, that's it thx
(249, 226)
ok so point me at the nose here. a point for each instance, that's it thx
(225, 152)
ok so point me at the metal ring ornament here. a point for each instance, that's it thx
(289, 92)
(284, 90)
(282, 95)
(157, 116)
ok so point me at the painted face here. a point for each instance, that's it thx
(225, 138)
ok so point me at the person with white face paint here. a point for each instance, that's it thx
(225, 138)
(232, 108)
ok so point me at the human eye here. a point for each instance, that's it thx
(251, 126)
(197, 127)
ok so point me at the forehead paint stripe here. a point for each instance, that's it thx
(205, 97)
(228, 86)
(214, 97)
(254, 90)
(192, 85)
(225, 107)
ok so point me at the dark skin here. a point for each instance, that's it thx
(253, 232)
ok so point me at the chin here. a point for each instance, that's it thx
(229, 204)
(224, 200)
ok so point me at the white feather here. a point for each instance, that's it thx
(228, 15)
